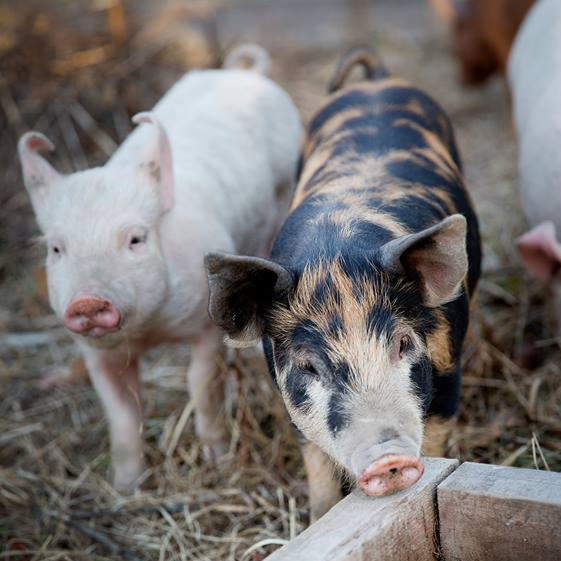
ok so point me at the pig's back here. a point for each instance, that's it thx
(535, 58)
(235, 139)
(534, 73)
(378, 154)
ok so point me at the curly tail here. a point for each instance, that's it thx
(374, 68)
(249, 56)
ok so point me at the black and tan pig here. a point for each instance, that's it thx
(364, 304)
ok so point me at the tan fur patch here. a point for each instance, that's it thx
(436, 435)
(438, 343)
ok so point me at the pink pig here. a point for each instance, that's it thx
(534, 73)
(212, 167)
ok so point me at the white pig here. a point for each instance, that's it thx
(534, 73)
(211, 167)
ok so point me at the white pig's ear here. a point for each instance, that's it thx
(540, 251)
(157, 158)
(436, 255)
(242, 292)
(38, 174)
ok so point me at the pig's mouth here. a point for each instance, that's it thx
(389, 474)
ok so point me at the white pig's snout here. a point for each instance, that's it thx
(93, 316)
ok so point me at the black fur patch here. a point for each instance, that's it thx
(421, 374)
(336, 418)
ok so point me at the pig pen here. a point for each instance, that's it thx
(77, 72)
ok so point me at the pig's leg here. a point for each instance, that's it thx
(206, 387)
(116, 380)
(324, 486)
(75, 373)
(436, 435)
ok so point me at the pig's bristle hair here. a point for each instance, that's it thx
(54, 449)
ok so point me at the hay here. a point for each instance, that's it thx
(55, 501)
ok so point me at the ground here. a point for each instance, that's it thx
(65, 63)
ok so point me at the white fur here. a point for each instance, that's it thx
(534, 73)
(235, 138)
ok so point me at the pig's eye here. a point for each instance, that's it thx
(405, 345)
(137, 240)
(309, 369)
(56, 249)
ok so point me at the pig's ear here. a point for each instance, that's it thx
(437, 256)
(540, 251)
(156, 158)
(242, 291)
(38, 174)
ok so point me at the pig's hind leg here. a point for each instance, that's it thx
(206, 388)
(115, 377)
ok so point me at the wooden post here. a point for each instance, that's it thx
(401, 527)
(500, 514)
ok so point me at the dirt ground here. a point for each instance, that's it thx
(55, 499)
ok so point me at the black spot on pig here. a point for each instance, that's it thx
(421, 375)
(446, 393)
(296, 387)
(336, 418)
(380, 321)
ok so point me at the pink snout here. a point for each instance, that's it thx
(389, 474)
(92, 316)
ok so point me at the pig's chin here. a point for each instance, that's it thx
(101, 337)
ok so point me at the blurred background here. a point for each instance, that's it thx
(76, 71)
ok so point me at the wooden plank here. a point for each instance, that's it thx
(360, 528)
(500, 514)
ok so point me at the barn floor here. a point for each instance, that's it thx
(55, 499)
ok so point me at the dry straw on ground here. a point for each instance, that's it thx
(79, 84)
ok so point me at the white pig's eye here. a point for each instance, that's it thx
(137, 239)
(56, 249)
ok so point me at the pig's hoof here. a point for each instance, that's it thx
(128, 479)
(213, 451)
(75, 373)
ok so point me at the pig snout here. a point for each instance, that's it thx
(92, 316)
(389, 474)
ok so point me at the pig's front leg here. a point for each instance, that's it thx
(74, 373)
(115, 377)
(436, 434)
(206, 387)
(323, 484)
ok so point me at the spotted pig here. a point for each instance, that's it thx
(365, 301)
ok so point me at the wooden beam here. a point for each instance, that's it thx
(401, 527)
(500, 514)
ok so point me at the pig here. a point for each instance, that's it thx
(534, 77)
(212, 167)
(482, 33)
(364, 303)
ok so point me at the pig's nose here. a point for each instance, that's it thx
(91, 315)
(389, 474)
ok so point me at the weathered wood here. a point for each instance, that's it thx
(499, 513)
(359, 528)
